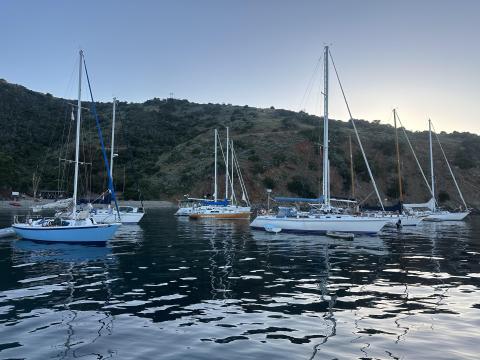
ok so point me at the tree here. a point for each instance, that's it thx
(443, 196)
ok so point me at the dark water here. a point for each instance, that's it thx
(179, 289)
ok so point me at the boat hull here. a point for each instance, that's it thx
(184, 211)
(240, 215)
(322, 225)
(99, 233)
(7, 232)
(447, 216)
(221, 212)
(111, 217)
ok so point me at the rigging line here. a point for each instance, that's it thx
(49, 152)
(105, 159)
(415, 156)
(61, 149)
(449, 168)
(310, 84)
(472, 185)
(366, 198)
(132, 165)
(225, 161)
(244, 187)
(240, 176)
(356, 133)
(316, 108)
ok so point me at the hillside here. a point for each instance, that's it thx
(165, 149)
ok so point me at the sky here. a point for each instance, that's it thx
(421, 57)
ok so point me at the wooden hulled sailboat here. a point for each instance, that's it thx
(228, 208)
(402, 218)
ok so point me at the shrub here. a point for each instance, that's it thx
(269, 183)
(254, 158)
(278, 159)
(300, 187)
(258, 168)
(443, 196)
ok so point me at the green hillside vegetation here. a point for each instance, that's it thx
(165, 149)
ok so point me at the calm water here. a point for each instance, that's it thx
(179, 289)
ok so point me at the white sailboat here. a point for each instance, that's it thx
(75, 226)
(186, 206)
(439, 214)
(128, 214)
(429, 210)
(227, 208)
(325, 220)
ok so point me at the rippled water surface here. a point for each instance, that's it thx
(178, 289)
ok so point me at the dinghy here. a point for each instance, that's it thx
(7, 232)
(272, 229)
(340, 235)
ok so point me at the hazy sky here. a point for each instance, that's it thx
(422, 57)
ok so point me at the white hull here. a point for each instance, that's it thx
(184, 211)
(110, 216)
(322, 224)
(447, 216)
(221, 212)
(7, 232)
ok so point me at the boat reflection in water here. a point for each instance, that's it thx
(68, 274)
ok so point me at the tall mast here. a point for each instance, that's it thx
(231, 172)
(431, 160)
(398, 157)
(77, 139)
(326, 177)
(352, 173)
(226, 168)
(112, 147)
(215, 188)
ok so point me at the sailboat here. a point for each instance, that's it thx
(128, 214)
(186, 205)
(438, 214)
(402, 218)
(226, 208)
(76, 226)
(326, 219)
(429, 210)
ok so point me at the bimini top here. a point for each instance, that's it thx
(216, 203)
(318, 200)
